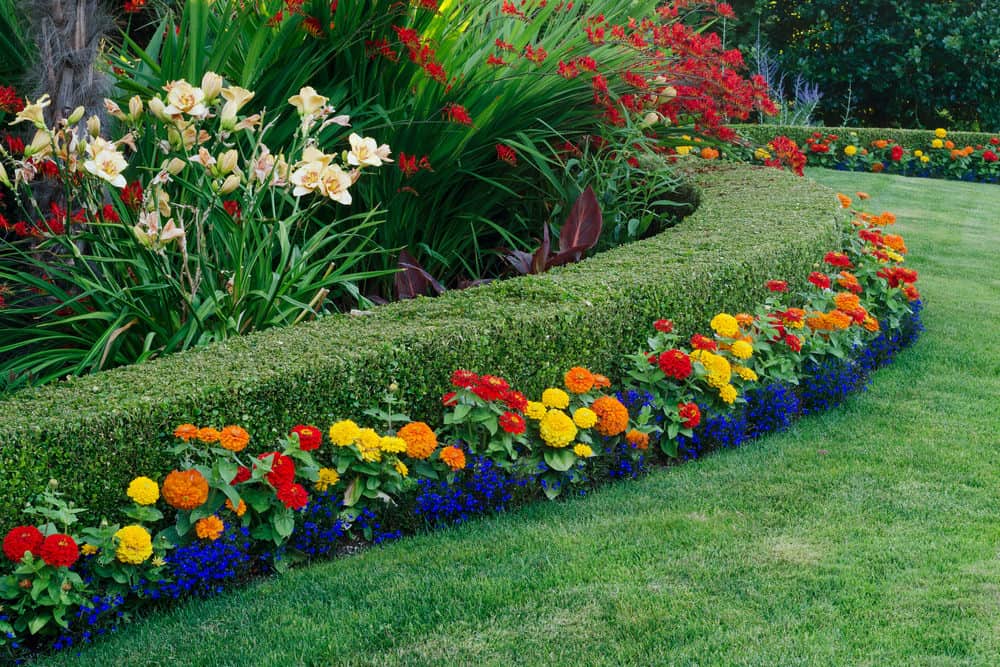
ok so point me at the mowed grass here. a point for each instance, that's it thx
(864, 536)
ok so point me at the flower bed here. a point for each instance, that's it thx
(966, 156)
(221, 515)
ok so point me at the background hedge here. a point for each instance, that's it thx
(95, 433)
(910, 139)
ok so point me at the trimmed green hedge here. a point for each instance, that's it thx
(95, 433)
(911, 139)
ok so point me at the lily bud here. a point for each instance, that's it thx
(650, 119)
(159, 109)
(227, 161)
(174, 166)
(4, 178)
(113, 109)
(94, 126)
(40, 146)
(231, 183)
(135, 107)
(667, 94)
(75, 117)
(211, 85)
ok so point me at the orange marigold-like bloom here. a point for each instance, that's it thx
(453, 457)
(186, 431)
(208, 435)
(709, 153)
(579, 380)
(612, 415)
(871, 324)
(878, 167)
(818, 321)
(845, 201)
(239, 510)
(880, 143)
(839, 319)
(209, 528)
(185, 489)
(637, 439)
(420, 440)
(895, 242)
(846, 301)
(601, 381)
(863, 195)
(234, 438)
(744, 319)
(949, 144)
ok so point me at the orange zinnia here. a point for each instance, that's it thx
(420, 440)
(612, 416)
(186, 431)
(234, 438)
(185, 489)
(579, 380)
(453, 457)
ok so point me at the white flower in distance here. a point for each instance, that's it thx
(182, 97)
(336, 183)
(366, 152)
(108, 164)
(307, 178)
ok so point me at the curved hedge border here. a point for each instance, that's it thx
(93, 433)
(909, 139)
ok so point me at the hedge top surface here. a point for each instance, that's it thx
(761, 204)
(866, 135)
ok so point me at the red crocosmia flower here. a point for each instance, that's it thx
(491, 388)
(837, 259)
(282, 469)
(896, 153)
(293, 496)
(496, 61)
(132, 195)
(506, 154)
(503, 46)
(242, 475)
(20, 540)
(109, 214)
(665, 326)
(233, 209)
(511, 422)
(568, 70)
(700, 342)
(675, 364)
(515, 400)
(777, 285)
(464, 379)
(14, 144)
(793, 341)
(690, 414)
(59, 550)
(449, 399)
(820, 280)
(133, 6)
(310, 437)
(456, 113)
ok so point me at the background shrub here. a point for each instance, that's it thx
(909, 139)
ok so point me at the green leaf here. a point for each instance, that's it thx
(283, 521)
(560, 459)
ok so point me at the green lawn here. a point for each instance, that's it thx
(864, 536)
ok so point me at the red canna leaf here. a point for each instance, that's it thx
(582, 228)
(412, 280)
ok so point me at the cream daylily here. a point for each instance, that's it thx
(307, 178)
(40, 146)
(151, 235)
(263, 165)
(228, 161)
(236, 99)
(211, 85)
(308, 101)
(34, 112)
(231, 183)
(108, 164)
(366, 152)
(336, 183)
(313, 154)
(183, 98)
(204, 158)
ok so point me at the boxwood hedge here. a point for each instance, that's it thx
(95, 433)
(910, 139)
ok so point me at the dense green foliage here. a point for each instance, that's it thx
(528, 329)
(865, 536)
(909, 139)
(904, 63)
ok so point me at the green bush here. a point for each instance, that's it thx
(94, 433)
(909, 139)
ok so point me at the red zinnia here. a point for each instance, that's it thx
(700, 342)
(449, 400)
(59, 550)
(666, 326)
(282, 469)
(515, 400)
(293, 496)
(464, 379)
(20, 540)
(777, 285)
(690, 413)
(820, 280)
(896, 153)
(989, 156)
(310, 437)
(675, 364)
(491, 388)
(794, 342)
(242, 475)
(837, 259)
(512, 422)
